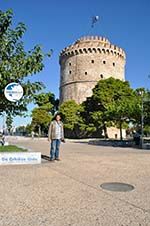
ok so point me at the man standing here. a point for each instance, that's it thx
(55, 135)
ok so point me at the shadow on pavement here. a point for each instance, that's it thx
(45, 157)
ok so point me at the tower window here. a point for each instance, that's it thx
(114, 64)
(86, 73)
(92, 61)
(101, 76)
(69, 72)
(104, 62)
(69, 64)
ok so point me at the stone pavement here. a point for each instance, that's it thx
(68, 193)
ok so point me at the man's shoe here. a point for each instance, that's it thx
(57, 159)
(52, 160)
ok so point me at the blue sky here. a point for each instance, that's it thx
(56, 24)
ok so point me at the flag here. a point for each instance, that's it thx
(94, 20)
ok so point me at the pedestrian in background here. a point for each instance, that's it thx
(32, 134)
(55, 136)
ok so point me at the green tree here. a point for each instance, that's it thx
(16, 64)
(71, 115)
(29, 129)
(113, 102)
(43, 113)
(40, 120)
(94, 117)
(144, 99)
(47, 101)
(21, 130)
(146, 110)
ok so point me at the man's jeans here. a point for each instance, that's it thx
(54, 151)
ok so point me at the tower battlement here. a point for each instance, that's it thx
(89, 44)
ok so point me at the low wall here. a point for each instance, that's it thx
(115, 143)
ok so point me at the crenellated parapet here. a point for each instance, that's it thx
(92, 44)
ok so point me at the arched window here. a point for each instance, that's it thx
(104, 62)
(113, 64)
(69, 72)
(101, 76)
(92, 61)
(86, 73)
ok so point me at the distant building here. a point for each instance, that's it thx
(84, 63)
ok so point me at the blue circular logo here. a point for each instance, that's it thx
(13, 92)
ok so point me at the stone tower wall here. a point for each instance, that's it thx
(84, 63)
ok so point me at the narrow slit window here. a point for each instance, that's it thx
(69, 72)
(86, 73)
(92, 61)
(104, 62)
(101, 76)
(113, 64)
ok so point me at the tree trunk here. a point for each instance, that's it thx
(77, 132)
(120, 127)
(105, 131)
(39, 131)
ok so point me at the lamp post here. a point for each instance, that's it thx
(142, 116)
(142, 120)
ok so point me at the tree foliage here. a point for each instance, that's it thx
(115, 102)
(40, 120)
(146, 108)
(16, 64)
(43, 113)
(145, 101)
(21, 130)
(71, 115)
(47, 101)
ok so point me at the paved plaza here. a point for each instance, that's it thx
(68, 193)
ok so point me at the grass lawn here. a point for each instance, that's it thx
(12, 148)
